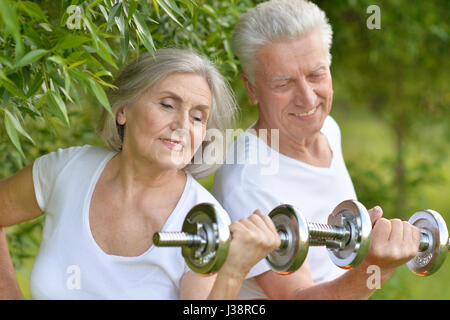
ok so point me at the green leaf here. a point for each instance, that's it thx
(143, 33)
(156, 6)
(59, 107)
(31, 57)
(172, 5)
(4, 60)
(46, 26)
(76, 64)
(13, 120)
(208, 9)
(32, 9)
(189, 5)
(57, 59)
(114, 11)
(124, 44)
(35, 85)
(9, 15)
(10, 85)
(5, 78)
(71, 41)
(101, 95)
(166, 8)
(67, 81)
(12, 134)
(102, 51)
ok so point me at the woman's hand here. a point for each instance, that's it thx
(253, 238)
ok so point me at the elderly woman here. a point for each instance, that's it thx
(104, 204)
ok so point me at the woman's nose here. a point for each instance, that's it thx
(180, 121)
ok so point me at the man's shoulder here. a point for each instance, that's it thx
(330, 126)
(197, 193)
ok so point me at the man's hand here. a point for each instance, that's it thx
(394, 242)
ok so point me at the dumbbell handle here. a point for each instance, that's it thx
(177, 239)
(425, 242)
(317, 232)
(185, 239)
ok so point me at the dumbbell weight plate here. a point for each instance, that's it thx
(209, 258)
(353, 214)
(429, 261)
(289, 220)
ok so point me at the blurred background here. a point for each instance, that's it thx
(391, 94)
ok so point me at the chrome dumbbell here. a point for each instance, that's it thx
(346, 236)
(205, 238)
(434, 242)
(348, 251)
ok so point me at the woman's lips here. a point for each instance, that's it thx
(174, 145)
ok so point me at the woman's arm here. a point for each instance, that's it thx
(9, 287)
(18, 204)
(18, 199)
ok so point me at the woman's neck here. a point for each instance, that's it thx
(135, 176)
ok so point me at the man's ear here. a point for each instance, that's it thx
(250, 89)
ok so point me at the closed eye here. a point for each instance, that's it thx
(167, 106)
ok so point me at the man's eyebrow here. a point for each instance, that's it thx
(322, 66)
(280, 78)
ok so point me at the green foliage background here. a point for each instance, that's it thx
(391, 94)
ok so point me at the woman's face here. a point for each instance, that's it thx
(167, 123)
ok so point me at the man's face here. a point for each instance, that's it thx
(293, 87)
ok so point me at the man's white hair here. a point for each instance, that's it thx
(273, 21)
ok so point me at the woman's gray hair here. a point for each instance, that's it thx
(144, 72)
(273, 21)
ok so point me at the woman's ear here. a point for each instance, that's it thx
(121, 118)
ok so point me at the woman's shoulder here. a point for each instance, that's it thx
(66, 154)
(72, 158)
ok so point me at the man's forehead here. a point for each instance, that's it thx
(280, 75)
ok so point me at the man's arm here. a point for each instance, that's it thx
(352, 285)
(393, 244)
(9, 287)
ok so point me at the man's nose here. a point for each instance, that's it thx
(305, 95)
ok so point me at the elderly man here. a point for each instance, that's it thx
(284, 48)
